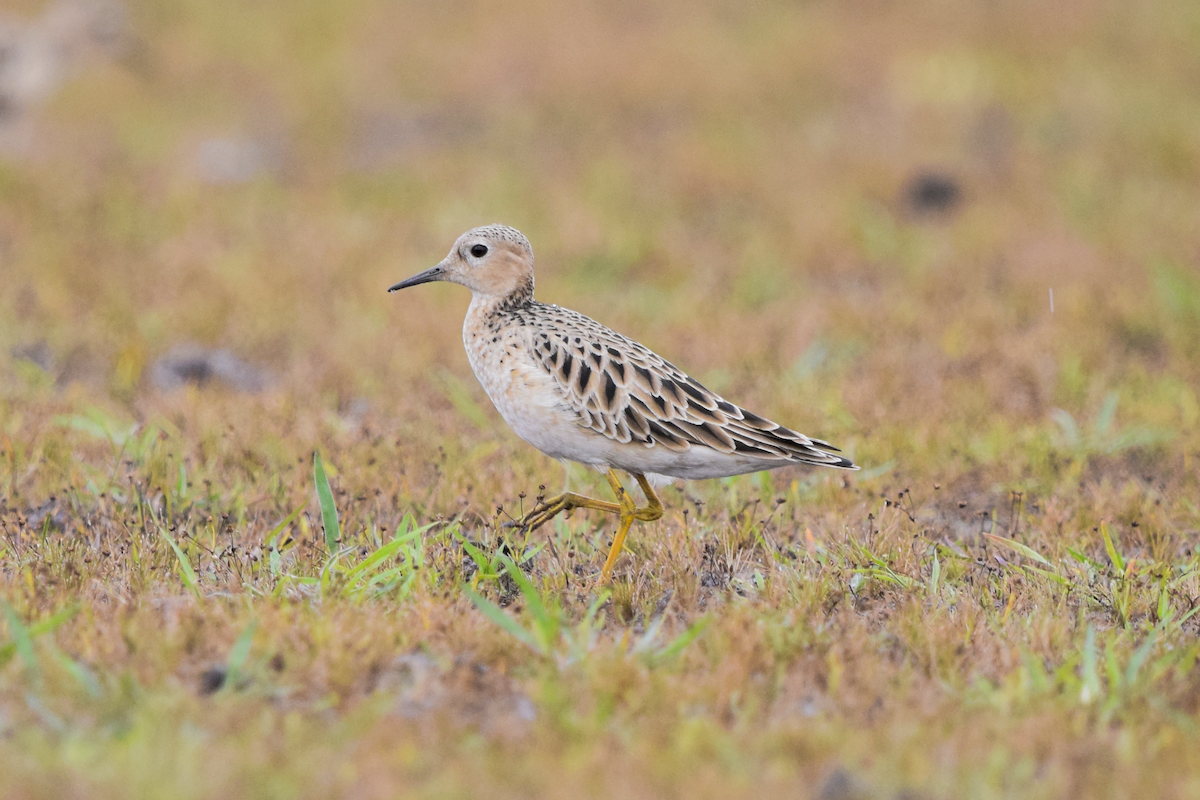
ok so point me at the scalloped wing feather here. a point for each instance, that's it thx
(628, 393)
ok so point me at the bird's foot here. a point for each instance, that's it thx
(567, 501)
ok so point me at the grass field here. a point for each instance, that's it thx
(960, 240)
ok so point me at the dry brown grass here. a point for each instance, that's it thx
(729, 183)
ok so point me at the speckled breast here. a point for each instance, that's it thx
(497, 346)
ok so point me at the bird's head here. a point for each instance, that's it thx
(493, 261)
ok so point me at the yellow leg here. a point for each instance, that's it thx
(615, 550)
(629, 512)
(625, 508)
(654, 506)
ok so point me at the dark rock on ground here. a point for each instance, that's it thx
(200, 366)
(932, 193)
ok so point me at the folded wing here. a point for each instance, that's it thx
(628, 393)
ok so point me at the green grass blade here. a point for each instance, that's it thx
(329, 515)
(51, 623)
(1138, 659)
(482, 563)
(1070, 428)
(375, 559)
(330, 567)
(1111, 549)
(876, 560)
(1035, 673)
(589, 618)
(496, 614)
(22, 639)
(278, 529)
(1045, 573)
(186, 573)
(546, 622)
(890, 576)
(680, 642)
(1111, 667)
(1082, 559)
(80, 673)
(533, 598)
(1020, 549)
(645, 644)
(33, 631)
(235, 665)
(383, 553)
(1187, 616)
(1164, 611)
(385, 576)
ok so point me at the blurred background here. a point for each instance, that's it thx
(915, 227)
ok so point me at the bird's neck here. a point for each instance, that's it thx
(489, 320)
(486, 305)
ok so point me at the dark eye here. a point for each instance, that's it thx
(479, 250)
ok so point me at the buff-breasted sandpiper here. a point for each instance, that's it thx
(579, 391)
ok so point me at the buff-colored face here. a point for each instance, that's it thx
(494, 261)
